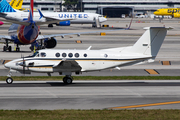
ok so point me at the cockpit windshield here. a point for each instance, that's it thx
(36, 54)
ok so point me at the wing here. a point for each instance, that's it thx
(6, 37)
(78, 33)
(67, 66)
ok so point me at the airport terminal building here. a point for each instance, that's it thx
(109, 8)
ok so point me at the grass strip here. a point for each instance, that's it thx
(90, 114)
(39, 78)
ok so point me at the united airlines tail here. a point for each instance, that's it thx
(5, 7)
(150, 42)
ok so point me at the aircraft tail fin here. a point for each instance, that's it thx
(19, 4)
(150, 42)
(13, 3)
(30, 17)
(5, 7)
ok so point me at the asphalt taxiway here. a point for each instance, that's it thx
(50, 95)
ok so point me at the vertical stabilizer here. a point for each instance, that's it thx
(13, 3)
(30, 17)
(5, 7)
(19, 4)
(150, 42)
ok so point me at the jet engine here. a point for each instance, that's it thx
(64, 23)
(50, 43)
(176, 15)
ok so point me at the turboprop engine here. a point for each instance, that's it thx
(50, 43)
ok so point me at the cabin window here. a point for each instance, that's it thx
(64, 55)
(70, 55)
(57, 54)
(43, 54)
(85, 55)
(76, 55)
(105, 55)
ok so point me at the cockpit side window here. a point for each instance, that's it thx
(36, 54)
(43, 54)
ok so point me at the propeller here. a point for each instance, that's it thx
(23, 64)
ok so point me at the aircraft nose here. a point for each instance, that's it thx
(7, 65)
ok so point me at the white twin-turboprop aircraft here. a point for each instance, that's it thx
(67, 61)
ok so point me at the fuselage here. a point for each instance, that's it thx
(22, 34)
(78, 17)
(88, 60)
(167, 11)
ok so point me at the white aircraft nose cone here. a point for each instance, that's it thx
(7, 65)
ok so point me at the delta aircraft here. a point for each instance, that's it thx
(65, 62)
(174, 12)
(75, 17)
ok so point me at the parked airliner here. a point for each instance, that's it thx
(76, 17)
(65, 62)
(26, 31)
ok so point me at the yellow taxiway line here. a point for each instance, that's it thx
(145, 105)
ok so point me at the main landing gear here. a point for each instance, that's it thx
(67, 79)
(9, 48)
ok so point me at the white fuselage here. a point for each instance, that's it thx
(88, 60)
(78, 17)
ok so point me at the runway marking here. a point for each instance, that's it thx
(151, 71)
(145, 105)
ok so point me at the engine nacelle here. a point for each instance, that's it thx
(50, 43)
(64, 23)
(176, 15)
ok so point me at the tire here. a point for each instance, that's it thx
(17, 49)
(64, 79)
(4, 48)
(9, 80)
(9, 48)
(50, 25)
(67, 80)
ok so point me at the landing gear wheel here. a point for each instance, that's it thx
(9, 80)
(67, 80)
(17, 49)
(4, 48)
(9, 48)
(50, 25)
